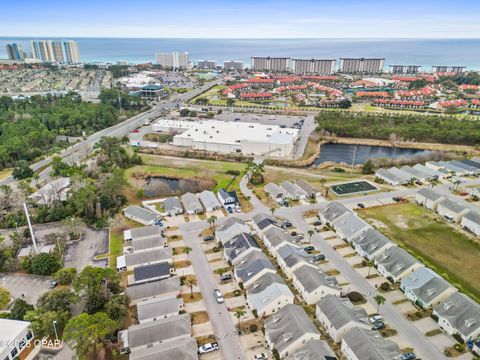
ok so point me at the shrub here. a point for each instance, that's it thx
(4, 298)
(237, 292)
(385, 286)
(355, 297)
(457, 337)
(232, 172)
(42, 264)
(253, 328)
(65, 276)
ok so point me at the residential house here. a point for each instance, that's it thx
(275, 237)
(252, 267)
(433, 174)
(332, 211)
(262, 222)
(388, 177)
(230, 228)
(308, 188)
(362, 344)
(158, 308)
(371, 243)
(228, 199)
(428, 198)
(403, 175)
(292, 191)
(452, 211)
(435, 165)
(171, 329)
(192, 204)
(290, 258)
(137, 292)
(149, 243)
(268, 294)
(471, 222)
(338, 316)
(474, 192)
(416, 173)
(395, 264)
(152, 272)
(289, 329)
(55, 190)
(425, 288)
(349, 225)
(238, 247)
(459, 314)
(143, 232)
(149, 256)
(313, 284)
(172, 206)
(470, 169)
(141, 215)
(453, 169)
(275, 192)
(313, 350)
(186, 349)
(209, 201)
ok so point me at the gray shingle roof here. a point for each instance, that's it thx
(274, 190)
(305, 186)
(145, 231)
(154, 288)
(340, 311)
(209, 200)
(292, 255)
(288, 325)
(147, 243)
(367, 344)
(462, 313)
(388, 175)
(158, 308)
(313, 350)
(191, 202)
(140, 213)
(371, 240)
(172, 203)
(148, 256)
(276, 236)
(253, 264)
(160, 330)
(333, 210)
(455, 206)
(185, 349)
(263, 221)
(239, 244)
(270, 294)
(292, 189)
(312, 278)
(425, 284)
(473, 216)
(349, 224)
(396, 260)
(429, 194)
(263, 282)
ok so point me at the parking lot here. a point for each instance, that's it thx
(81, 253)
(31, 286)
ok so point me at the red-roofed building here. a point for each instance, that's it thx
(469, 87)
(399, 104)
(372, 94)
(458, 103)
(256, 83)
(256, 96)
(475, 104)
(426, 91)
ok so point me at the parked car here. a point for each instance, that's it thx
(319, 257)
(309, 248)
(408, 356)
(209, 238)
(237, 119)
(378, 325)
(293, 233)
(206, 348)
(218, 296)
(361, 206)
(283, 126)
(317, 223)
(396, 199)
(226, 277)
(375, 318)
(53, 284)
(300, 236)
(261, 356)
(287, 224)
(135, 131)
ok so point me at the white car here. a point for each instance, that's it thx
(218, 296)
(260, 356)
(206, 348)
(375, 318)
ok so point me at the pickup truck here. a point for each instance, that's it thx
(206, 348)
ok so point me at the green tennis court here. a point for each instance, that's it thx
(352, 188)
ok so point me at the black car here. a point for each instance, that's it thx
(408, 356)
(309, 248)
(317, 223)
(396, 199)
(209, 238)
(283, 126)
(287, 224)
(226, 277)
(361, 206)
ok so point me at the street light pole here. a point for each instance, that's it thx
(54, 322)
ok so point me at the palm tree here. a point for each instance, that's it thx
(323, 181)
(312, 201)
(272, 210)
(211, 220)
(380, 300)
(191, 283)
(310, 233)
(255, 170)
(187, 250)
(238, 314)
(370, 264)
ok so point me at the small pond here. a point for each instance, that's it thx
(165, 186)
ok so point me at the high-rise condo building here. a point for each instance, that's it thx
(15, 52)
(274, 64)
(173, 59)
(313, 66)
(233, 65)
(405, 69)
(448, 69)
(207, 64)
(361, 65)
(56, 51)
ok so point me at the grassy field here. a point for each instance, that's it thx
(449, 252)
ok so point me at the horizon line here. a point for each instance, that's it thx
(236, 38)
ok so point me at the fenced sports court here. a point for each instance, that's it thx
(353, 188)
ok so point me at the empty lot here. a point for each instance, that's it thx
(448, 251)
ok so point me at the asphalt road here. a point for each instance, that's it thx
(80, 150)
(225, 332)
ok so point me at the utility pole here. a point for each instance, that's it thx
(27, 215)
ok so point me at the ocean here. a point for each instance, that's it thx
(424, 52)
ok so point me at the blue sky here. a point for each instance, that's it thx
(242, 19)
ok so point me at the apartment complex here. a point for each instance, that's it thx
(275, 64)
(174, 59)
(361, 65)
(56, 51)
(405, 69)
(448, 69)
(207, 64)
(233, 65)
(313, 66)
(15, 52)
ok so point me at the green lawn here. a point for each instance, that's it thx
(116, 246)
(446, 250)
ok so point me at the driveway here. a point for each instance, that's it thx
(225, 332)
(31, 286)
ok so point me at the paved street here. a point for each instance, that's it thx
(225, 331)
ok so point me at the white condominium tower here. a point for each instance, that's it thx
(56, 51)
(361, 65)
(173, 59)
(275, 64)
(313, 66)
(233, 65)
